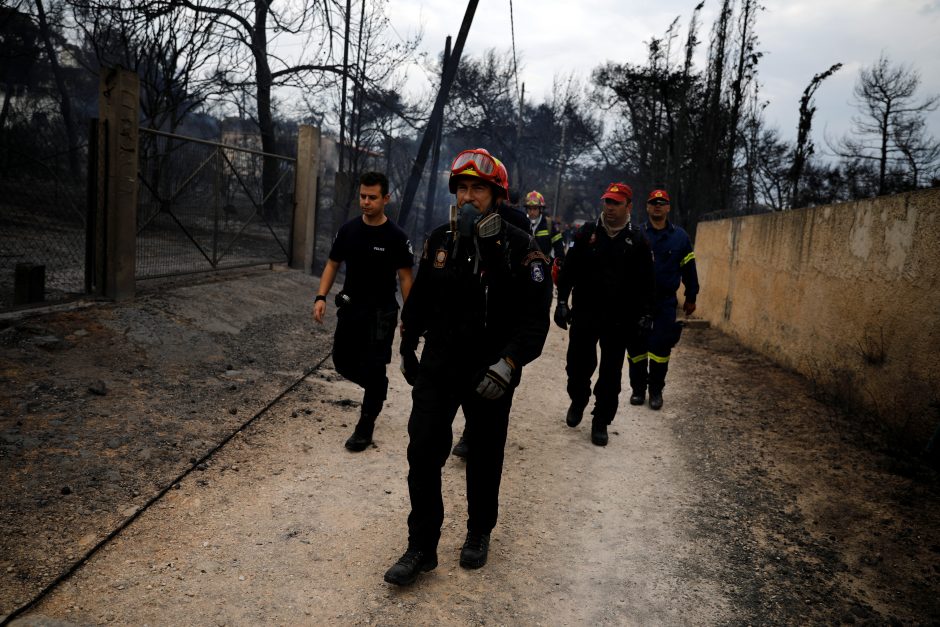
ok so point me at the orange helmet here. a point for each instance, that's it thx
(480, 163)
(534, 199)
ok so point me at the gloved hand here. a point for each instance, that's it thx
(409, 365)
(496, 380)
(645, 324)
(562, 315)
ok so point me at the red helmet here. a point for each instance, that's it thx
(480, 163)
(534, 199)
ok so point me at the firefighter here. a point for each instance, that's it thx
(481, 302)
(609, 273)
(673, 261)
(550, 240)
(509, 211)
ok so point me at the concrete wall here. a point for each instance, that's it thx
(845, 294)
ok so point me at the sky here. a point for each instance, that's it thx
(799, 38)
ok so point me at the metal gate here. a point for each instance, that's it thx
(204, 206)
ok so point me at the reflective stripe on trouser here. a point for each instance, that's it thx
(583, 339)
(430, 437)
(648, 370)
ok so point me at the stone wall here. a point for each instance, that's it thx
(845, 294)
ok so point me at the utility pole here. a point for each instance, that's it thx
(516, 170)
(435, 158)
(561, 167)
(342, 104)
(437, 113)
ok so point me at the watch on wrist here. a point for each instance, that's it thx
(319, 297)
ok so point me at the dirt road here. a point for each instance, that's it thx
(745, 501)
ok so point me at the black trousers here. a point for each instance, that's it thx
(584, 337)
(435, 405)
(362, 347)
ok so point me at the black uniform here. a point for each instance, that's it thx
(548, 238)
(472, 311)
(365, 326)
(612, 281)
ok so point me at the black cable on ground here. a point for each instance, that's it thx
(5, 620)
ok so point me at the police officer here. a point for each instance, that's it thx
(481, 301)
(546, 235)
(373, 248)
(674, 261)
(609, 269)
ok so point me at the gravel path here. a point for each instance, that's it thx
(745, 501)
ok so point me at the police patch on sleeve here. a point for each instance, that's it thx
(538, 274)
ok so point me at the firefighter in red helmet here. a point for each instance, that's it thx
(609, 274)
(481, 302)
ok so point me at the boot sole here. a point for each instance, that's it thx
(424, 568)
(472, 564)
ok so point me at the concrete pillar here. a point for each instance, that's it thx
(118, 102)
(305, 195)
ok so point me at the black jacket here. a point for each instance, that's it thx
(612, 279)
(473, 312)
(548, 238)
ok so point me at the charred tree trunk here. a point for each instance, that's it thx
(65, 102)
(269, 165)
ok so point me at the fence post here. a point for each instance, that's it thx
(118, 98)
(305, 194)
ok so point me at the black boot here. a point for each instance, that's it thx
(406, 569)
(656, 400)
(575, 414)
(461, 449)
(362, 434)
(599, 432)
(475, 549)
(637, 397)
(658, 371)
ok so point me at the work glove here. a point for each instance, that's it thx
(496, 380)
(562, 315)
(409, 365)
(645, 325)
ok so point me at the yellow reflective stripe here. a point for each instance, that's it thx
(556, 238)
(541, 233)
(639, 358)
(658, 359)
(688, 258)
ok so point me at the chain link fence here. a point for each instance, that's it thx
(43, 210)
